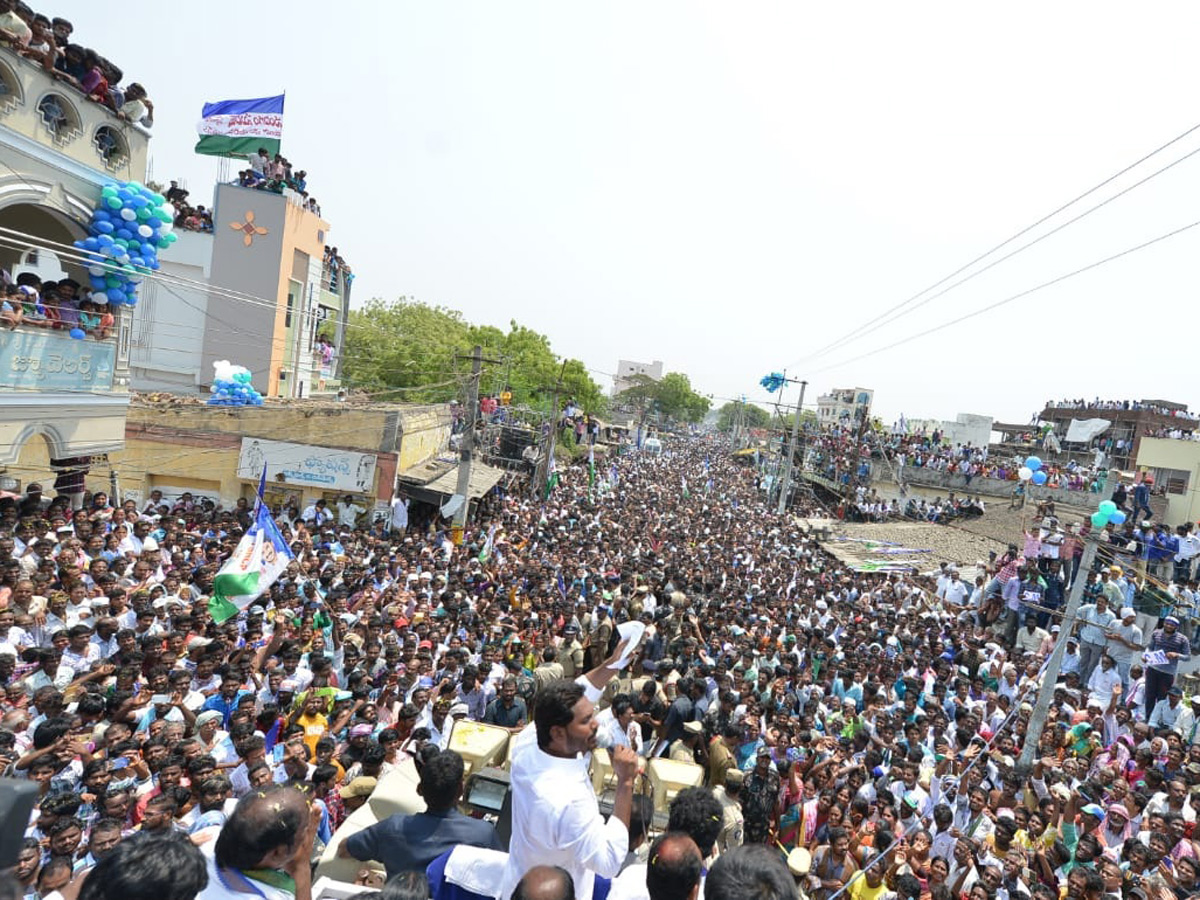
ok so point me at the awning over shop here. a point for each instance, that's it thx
(437, 479)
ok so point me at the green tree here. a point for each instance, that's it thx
(671, 396)
(752, 416)
(404, 344)
(407, 344)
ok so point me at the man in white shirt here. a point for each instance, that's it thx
(399, 520)
(1104, 678)
(556, 818)
(318, 513)
(954, 592)
(1124, 640)
(349, 511)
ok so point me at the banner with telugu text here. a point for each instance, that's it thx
(241, 127)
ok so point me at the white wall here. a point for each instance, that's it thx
(169, 320)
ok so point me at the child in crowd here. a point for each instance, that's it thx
(11, 311)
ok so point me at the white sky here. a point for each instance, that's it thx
(727, 187)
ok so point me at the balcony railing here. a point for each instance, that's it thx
(36, 358)
(52, 112)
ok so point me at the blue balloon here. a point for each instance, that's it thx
(1034, 463)
(124, 234)
(154, 222)
(98, 283)
(148, 251)
(1117, 518)
(138, 202)
(104, 227)
(104, 240)
(116, 295)
(78, 333)
(1039, 477)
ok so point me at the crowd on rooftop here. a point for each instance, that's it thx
(1099, 404)
(47, 42)
(275, 174)
(864, 726)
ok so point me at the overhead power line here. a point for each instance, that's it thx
(866, 327)
(1017, 296)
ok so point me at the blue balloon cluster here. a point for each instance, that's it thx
(773, 382)
(231, 387)
(129, 225)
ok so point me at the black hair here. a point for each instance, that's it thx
(166, 867)
(441, 780)
(406, 886)
(697, 813)
(750, 872)
(555, 708)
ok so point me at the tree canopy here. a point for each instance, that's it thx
(423, 349)
(671, 396)
(752, 416)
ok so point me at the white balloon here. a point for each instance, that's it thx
(99, 297)
(145, 231)
(1025, 473)
(128, 214)
(96, 270)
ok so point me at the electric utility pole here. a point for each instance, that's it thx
(542, 473)
(791, 452)
(467, 446)
(1037, 721)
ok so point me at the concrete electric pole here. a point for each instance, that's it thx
(1037, 720)
(467, 447)
(791, 452)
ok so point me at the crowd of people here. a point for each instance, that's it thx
(1099, 404)
(47, 42)
(334, 267)
(866, 727)
(60, 305)
(276, 174)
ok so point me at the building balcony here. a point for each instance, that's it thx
(42, 358)
(44, 110)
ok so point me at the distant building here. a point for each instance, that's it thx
(840, 406)
(1114, 427)
(1174, 464)
(274, 296)
(627, 369)
(965, 428)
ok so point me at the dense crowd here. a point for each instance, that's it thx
(47, 42)
(1133, 405)
(864, 726)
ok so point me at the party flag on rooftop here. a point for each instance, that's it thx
(240, 127)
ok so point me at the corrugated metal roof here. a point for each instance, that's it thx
(440, 476)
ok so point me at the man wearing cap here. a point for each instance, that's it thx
(1161, 675)
(1124, 640)
(684, 749)
(570, 652)
(1167, 711)
(354, 795)
(760, 799)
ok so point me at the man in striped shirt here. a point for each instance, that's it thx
(1177, 648)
